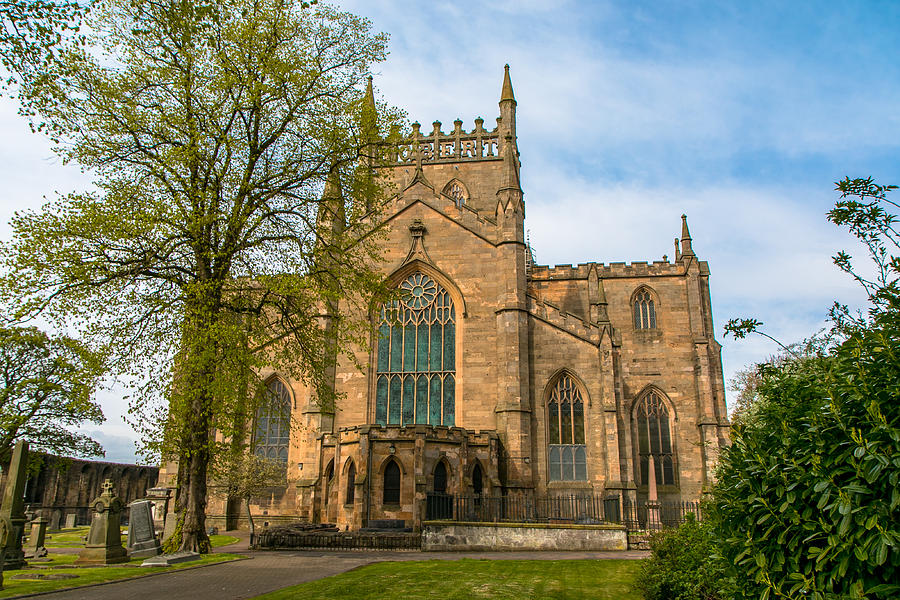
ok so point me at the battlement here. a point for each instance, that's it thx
(439, 147)
(614, 269)
(436, 433)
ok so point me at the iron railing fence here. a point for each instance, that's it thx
(279, 540)
(655, 516)
(576, 509)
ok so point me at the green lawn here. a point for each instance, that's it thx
(217, 541)
(62, 563)
(66, 538)
(468, 578)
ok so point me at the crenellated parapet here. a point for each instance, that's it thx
(608, 271)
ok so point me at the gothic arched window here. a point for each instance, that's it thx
(644, 310)
(351, 484)
(565, 420)
(440, 478)
(391, 483)
(272, 433)
(456, 192)
(477, 483)
(329, 479)
(654, 439)
(415, 370)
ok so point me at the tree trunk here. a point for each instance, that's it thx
(250, 520)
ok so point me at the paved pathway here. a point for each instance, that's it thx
(268, 571)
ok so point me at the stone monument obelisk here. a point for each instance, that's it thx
(12, 510)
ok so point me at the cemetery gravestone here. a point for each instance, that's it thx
(55, 518)
(35, 547)
(104, 541)
(70, 521)
(142, 540)
(12, 510)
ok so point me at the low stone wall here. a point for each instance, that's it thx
(444, 536)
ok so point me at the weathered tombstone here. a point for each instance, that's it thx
(35, 547)
(55, 518)
(104, 541)
(161, 499)
(70, 521)
(13, 508)
(142, 540)
(169, 528)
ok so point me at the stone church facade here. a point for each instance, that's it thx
(496, 376)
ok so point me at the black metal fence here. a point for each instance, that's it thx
(575, 509)
(275, 540)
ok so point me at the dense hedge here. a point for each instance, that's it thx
(806, 504)
(681, 565)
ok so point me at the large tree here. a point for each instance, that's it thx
(231, 144)
(46, 384)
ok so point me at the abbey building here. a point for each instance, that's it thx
(496, 376)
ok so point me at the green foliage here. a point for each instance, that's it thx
(46, 387)
(865, 209)
(682, 566)
(31, 33)
(235, 217)
(807, 496)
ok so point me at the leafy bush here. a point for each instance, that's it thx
(806, 504)
(682, 565)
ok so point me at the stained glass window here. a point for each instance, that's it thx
(565, 432)
(273, 423)
(654, 438)
(416, 356)
(644, 311)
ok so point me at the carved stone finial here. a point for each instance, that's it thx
(108, 487)
(506, 94)
(417, 228)
(417, 246)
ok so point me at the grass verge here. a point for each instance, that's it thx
(468, 578)
(217, 541)
(61, 564)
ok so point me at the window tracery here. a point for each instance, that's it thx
(456, 192)
(654, 438)
(415, 362)
(273, 423)
(565, 419)
(644, 310)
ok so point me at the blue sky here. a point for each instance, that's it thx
(740, 114)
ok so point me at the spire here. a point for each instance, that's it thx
(369, 116)
(506, 124)
(686, 249)
(506, 94)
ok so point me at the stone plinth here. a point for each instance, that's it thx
(499, 537)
